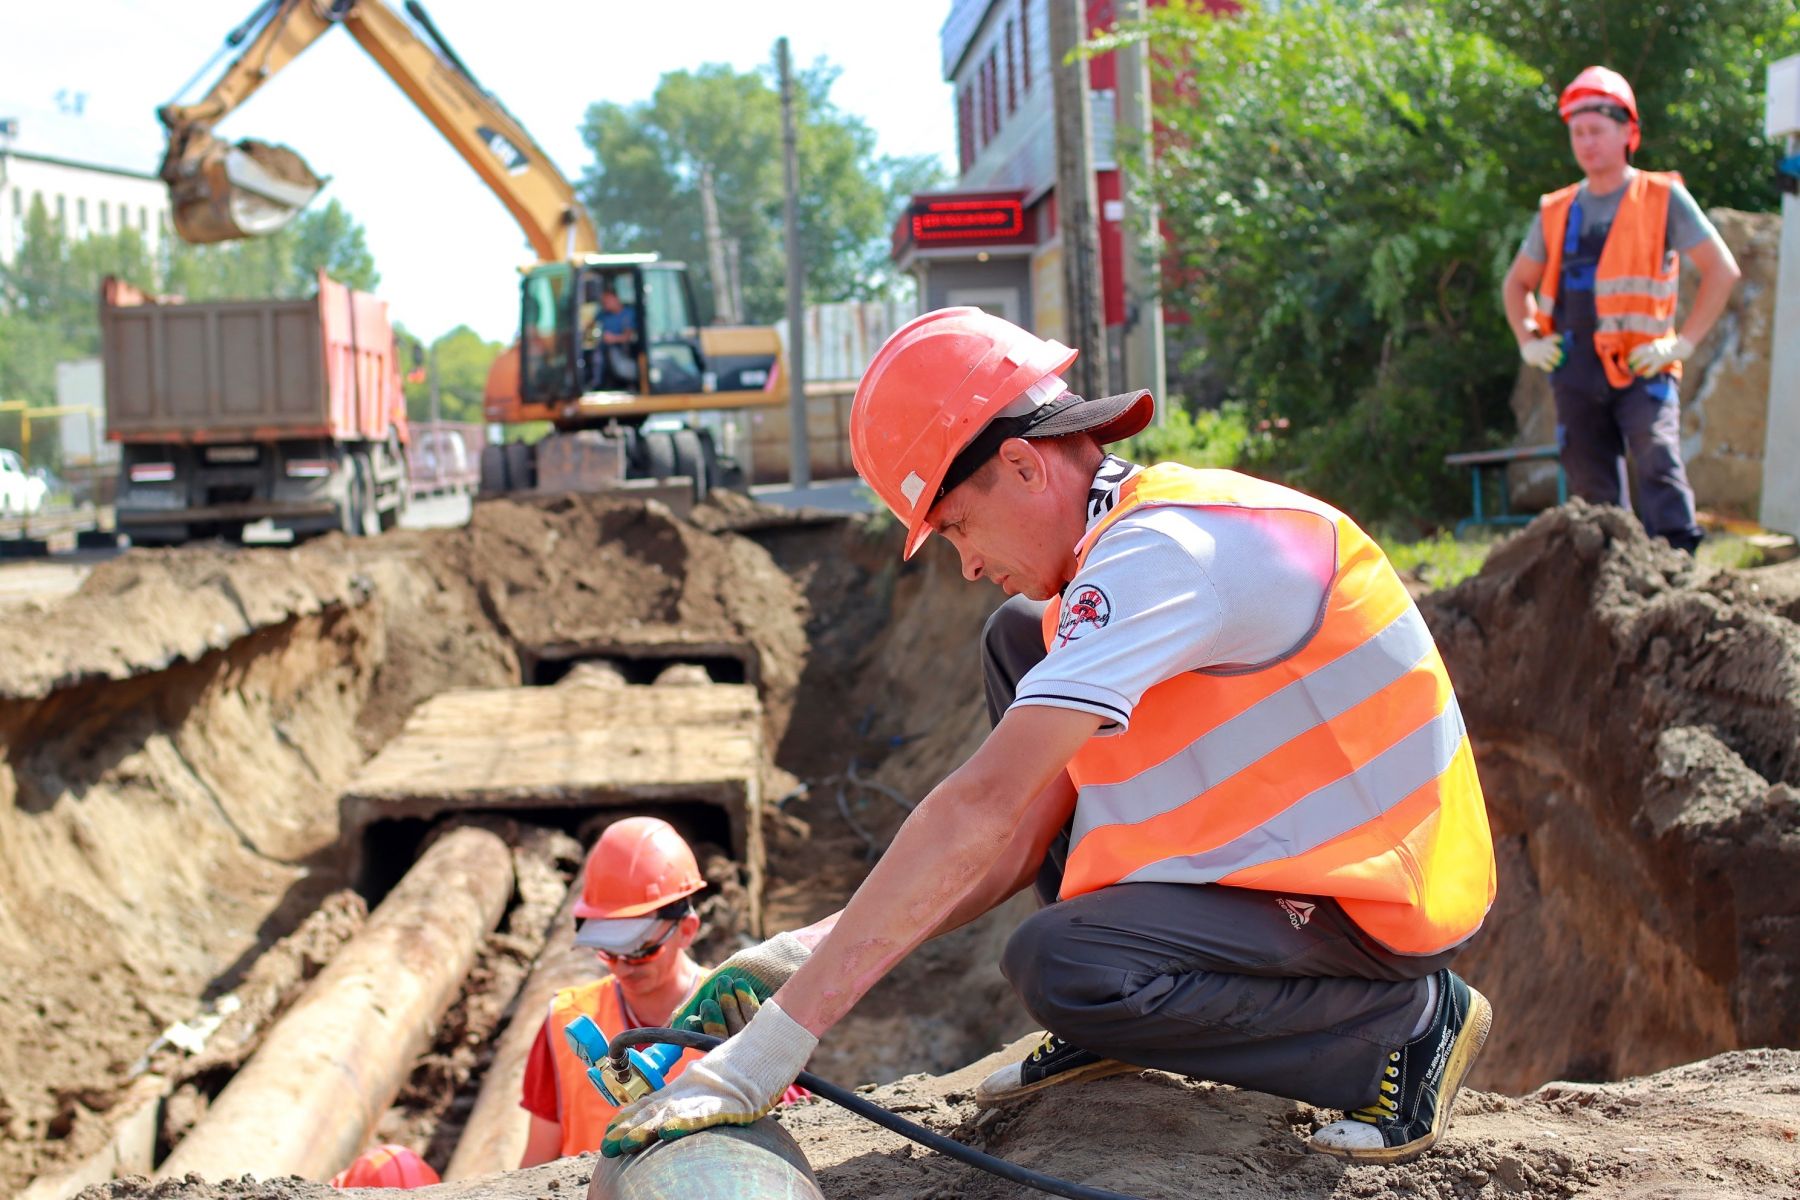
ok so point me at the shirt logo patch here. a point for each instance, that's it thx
(1089, 609)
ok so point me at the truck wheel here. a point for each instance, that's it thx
(690, 461)
(493, 470)
(519, 473)
(659, 455)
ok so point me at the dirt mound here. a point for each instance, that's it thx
(1637, 727)
(174, 736)
(1724, 1129)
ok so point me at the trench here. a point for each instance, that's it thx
(172, 834)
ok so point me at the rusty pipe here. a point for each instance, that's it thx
(307, 1100)
(752, 1162)
(494, 1137)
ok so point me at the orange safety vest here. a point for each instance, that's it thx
(1638, 278)
(581, 1110)
(1342, 770)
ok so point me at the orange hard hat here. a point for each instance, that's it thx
(938, 383)
(1601, 87)
(638, 865)
(386, 1166)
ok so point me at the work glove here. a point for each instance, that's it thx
(736, 1083)
(1544, 353)
(729, 995)
(1652, 358)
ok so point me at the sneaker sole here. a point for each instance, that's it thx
(1098, 1070)
(1462, 1056)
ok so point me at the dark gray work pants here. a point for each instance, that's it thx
(1597, 424)
(1212, 982)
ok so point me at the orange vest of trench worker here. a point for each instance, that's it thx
(583, 1112)
(1343, 770)
(1638, 279)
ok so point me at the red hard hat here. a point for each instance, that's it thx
(1601, 85)
(386, 1166)
(936, 384)
(638, 865)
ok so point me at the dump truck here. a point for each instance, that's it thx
(606, 340)
(281, 414)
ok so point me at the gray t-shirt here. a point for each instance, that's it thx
(1688, 226)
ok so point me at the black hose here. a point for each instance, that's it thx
(871, 1111)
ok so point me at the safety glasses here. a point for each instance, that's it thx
(644, 953)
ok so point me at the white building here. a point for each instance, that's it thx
(88, 199)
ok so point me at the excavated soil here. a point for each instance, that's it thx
(175, 735)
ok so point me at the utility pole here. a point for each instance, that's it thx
(724, 303)
(1076, 206)
(800, 468)
(1145, 364)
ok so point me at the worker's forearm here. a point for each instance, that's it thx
(939, 859)
(1521, 307)
(1709, 304)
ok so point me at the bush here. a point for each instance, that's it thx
(1210, 438)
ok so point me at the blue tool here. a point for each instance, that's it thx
(643, 1071)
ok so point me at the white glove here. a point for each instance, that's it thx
(1544, 353)
(1652, 358)
(737, 1083)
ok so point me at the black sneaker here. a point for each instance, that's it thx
(1418, 1086)
(1053, 1061)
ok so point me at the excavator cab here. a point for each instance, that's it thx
(615, 323)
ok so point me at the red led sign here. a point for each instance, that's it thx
(938, 221)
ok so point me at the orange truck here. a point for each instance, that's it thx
(285, 415)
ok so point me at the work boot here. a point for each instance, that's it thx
(1418, 1084)
(1053, 1061)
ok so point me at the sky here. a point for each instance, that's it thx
(447, 251)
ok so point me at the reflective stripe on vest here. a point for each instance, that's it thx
(1638, 277)
(1343, 770)
(582, 1111)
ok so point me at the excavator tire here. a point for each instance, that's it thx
(659, 455)
(690, 460)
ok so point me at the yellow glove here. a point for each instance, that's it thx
(1653, 358)
(737, 1083)
(1544, 353)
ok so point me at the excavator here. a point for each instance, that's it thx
(606, 341)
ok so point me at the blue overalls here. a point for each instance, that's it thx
(1596, 423)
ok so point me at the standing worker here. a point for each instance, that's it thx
(1227, 752)
(636, 912)
(1604, 254)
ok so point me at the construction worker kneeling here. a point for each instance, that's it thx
(1225, 751)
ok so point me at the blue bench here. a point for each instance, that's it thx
(1497, 461)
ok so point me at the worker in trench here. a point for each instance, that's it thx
(1226, 752)
(636, 912)
(1605, 253)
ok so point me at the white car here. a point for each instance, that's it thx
(20, 491)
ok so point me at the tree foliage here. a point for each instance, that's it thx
(1334, 183)
(463, 359)
(644, 187)
(50, 294)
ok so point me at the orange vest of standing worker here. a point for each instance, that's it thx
(1342, 770)
(1638, 278)
(582, 1111)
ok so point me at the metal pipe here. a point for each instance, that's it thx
(308, 1099)
(493, 1139)
(752, 1162)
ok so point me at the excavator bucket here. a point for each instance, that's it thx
(220, 191)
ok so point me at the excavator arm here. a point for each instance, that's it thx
(220, 191)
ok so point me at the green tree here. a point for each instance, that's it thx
(282, 265)
(1698, 68)
(1336, 184)
(644, 189)
(463, 359)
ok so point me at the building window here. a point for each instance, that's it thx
(81, 213)
(62, 212)
(143, 219)
(105, 218)
(994, 87)
(1025, 46)
(981, 107)
(1012, 91)
(965, 129)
